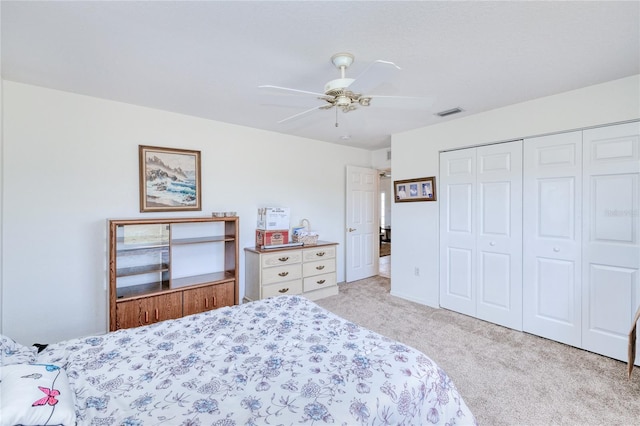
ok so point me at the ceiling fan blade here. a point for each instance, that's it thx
(402, 101)
(301, 114)
(291, 91)
(376, 73)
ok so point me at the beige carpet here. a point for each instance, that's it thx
(506, 377)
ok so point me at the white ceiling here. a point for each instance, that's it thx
(207, 59)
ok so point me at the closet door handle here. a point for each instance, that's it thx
(492, 243)
(556, 249)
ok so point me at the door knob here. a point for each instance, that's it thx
(352, 229)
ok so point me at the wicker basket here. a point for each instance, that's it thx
(306, 237)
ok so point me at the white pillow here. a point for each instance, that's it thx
(12, 352)
(35, 394)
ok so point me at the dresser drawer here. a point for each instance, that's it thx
(281, 258)
(318, 267)
(318, 253)
(278, 289)
(279, 274)
(319, 281)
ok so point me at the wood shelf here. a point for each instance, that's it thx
(199, 240)
(141, 270)
(139, 290)
(212, 278)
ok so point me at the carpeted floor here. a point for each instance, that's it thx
(506, 377)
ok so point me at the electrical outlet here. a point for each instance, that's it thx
(416, 271)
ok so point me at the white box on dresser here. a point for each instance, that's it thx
(308, 270)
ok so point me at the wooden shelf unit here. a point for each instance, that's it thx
(164, 268)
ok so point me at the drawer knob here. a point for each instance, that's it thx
(283, 274)
(283, 290)
(320, 253)
(321, 281)
(320, 268)
(283, 259)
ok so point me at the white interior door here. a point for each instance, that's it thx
(458, 230)
(499, 236)
(552, 243)
(611, 236)
(363, 229)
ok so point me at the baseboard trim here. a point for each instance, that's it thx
(413, 299)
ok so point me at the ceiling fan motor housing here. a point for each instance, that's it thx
(337, 84)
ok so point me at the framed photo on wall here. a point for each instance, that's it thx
(169, 179)
(422, 189)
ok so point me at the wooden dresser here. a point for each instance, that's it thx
(308, 270)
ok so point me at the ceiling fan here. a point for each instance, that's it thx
(349, 94)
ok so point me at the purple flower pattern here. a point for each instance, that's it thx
(283, 360)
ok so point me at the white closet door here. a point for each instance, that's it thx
(481, 232)
(499, 236)
(552, 237)
(611, 235)
(458, 230)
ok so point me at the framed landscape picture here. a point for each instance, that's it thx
(169, 179)
(421, 189)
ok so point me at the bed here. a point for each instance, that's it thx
(278, 361)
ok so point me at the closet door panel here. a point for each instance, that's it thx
(611, 232)
(499, 236)
(495, 281)
(556, 303)
(459, 269)
(457, 231)
(552, 237)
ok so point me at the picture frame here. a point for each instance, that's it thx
(169, 179)
(421, 189)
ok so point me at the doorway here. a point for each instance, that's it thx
(385, 196)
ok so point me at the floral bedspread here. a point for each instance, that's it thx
(278, 361)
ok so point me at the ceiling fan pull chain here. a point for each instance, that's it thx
(336, 117)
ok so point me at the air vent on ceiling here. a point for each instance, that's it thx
(449, 112)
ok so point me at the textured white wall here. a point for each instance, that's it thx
(1, 173)
(416, 154)
(70, 162)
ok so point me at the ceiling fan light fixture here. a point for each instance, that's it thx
(343, 101)
(349, 94)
